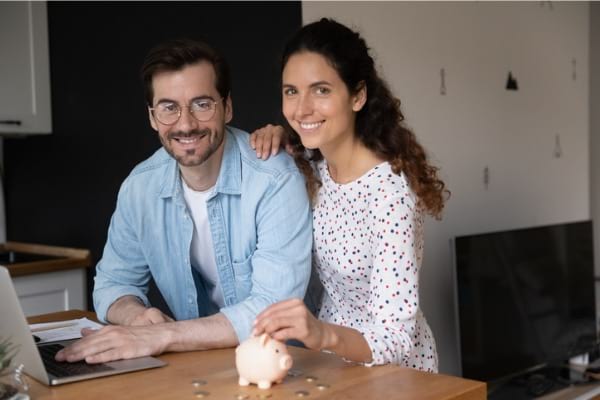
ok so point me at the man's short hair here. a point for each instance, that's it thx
(174, 55)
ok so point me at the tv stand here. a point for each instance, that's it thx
(540, 383)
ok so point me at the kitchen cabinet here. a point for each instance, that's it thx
(47, 278)
(24, 69)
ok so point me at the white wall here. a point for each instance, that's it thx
(478, 123)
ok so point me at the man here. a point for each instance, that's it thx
(222, 233)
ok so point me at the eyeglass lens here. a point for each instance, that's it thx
(169, 113)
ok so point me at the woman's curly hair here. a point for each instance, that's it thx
(379, 124)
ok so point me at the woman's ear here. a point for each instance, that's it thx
(360, 97)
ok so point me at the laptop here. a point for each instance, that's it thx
(39, 359)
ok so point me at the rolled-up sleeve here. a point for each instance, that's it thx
(123, 269)
(281, 262)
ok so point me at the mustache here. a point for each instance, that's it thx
(188, 134)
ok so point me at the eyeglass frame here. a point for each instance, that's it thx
(179, 110)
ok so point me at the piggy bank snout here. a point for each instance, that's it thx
(285, 362)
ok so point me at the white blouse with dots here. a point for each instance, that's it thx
(368, 247)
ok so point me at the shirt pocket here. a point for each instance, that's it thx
(242, 271)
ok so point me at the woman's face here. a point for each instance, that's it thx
(317, 103)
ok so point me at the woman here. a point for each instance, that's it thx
(370, 190)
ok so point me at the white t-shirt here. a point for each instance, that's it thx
(202, 250)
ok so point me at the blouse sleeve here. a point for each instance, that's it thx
(393, 305)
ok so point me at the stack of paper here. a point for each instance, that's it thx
(62, 330)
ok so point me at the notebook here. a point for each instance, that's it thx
(39, 359)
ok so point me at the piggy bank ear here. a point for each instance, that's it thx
(264, 338)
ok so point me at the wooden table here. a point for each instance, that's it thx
(217, 369)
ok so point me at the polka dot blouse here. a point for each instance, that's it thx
(368, 246)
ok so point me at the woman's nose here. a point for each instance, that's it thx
(304, 106)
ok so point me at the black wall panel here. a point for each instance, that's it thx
(61, 188)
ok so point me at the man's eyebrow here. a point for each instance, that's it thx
(165, 101)
(202, 97)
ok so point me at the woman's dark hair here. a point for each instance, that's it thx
(379, 124)
(174, 55)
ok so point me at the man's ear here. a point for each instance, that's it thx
(360, 98)
(228, 109)
(152, 120)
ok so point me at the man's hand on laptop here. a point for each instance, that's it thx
(115, 343)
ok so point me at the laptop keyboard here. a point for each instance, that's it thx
(63, 369)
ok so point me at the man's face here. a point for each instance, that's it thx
(190, 141)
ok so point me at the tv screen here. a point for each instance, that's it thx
(525, 298)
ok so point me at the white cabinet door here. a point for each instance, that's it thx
(52, 291)
(24, 68)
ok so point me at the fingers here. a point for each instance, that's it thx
(260, 143)
(285, 334)
(104, 357)
(267, 140)
(281, 315)
(275, 144)
(115, 343)
(83, 348)
(281, 306)
(279, 322)
(88, 331)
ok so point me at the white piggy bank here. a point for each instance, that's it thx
(262, 360)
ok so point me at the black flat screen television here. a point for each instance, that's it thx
(525, 298)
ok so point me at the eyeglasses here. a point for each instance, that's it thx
(168, 113)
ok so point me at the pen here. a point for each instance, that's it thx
(53, 326)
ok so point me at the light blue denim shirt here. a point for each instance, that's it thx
(261, 227)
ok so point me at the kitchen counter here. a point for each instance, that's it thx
(28, 259)
(47, 278)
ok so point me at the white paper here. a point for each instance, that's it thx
(62, 330)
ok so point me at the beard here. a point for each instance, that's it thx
(196, 156)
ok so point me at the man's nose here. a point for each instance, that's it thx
(186, 121)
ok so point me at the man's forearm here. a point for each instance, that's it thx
(212, 332)
(124, 342)
(124, 310)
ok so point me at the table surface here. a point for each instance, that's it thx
(212, 375)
